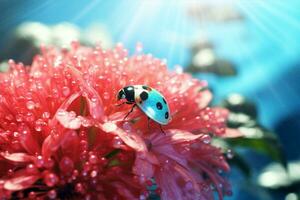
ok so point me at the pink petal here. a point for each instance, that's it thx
(173, 136)
(18, 157)
(29, 143)
(206, 97)
(65, 105)
(93, 99)
(53, 142)
(70, 146)
(20, 182)
(143, 168)
(123, 191)
(131, 139)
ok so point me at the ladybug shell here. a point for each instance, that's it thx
(152, 103)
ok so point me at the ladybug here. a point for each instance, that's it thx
(149, 100)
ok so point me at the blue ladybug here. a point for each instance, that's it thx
(149, 100)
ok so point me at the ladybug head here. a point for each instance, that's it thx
(126, 93)
(121, 94)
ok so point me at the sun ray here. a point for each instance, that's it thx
(254, 17)
(85, 10)
(273, 10)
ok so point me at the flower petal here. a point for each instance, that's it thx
(131, 139)
(64, 106)
(53, 142)
(18, 157)
(20, 181)
(94, 100)
(173, 136)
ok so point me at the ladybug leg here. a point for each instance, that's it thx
(123, 103)
(162, 129)
(148, 123)
(120, 104)
(134, 105)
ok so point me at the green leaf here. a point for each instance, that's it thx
(112, 153)
(261, 141)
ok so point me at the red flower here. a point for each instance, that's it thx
(61, 135)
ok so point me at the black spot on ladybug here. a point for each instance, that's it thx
(159, 106)
(167, 115)
(164, 101)
(144, 96)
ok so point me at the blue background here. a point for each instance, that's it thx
(264, 47)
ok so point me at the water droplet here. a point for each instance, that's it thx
(46, 115)
(61, 112)
(79, 188)
(229, 154)
(65, 91)
(106, 95)
(94, 99)
(66, 165)
(30, 105)
(51, 194)
(93, 159)
(117, 142)
(127, 126)
(94, 173)
(206, 117)
(31, 168)
(16, 134)
(206, 139)
(32, 195)
(19, 118)
(39, 161)
(50, 179)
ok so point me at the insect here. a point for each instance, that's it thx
(149, 100)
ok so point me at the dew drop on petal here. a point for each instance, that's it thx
(127, 126)
(229, 154)
(30, 105)
(50, 179)
(94, 99)
(117, 142)
(93, 159)
(66, 165)
(206, 139)
(31, 168)
(52, 194)
(65, 91)
(46, 115)
(94, 173)
(109, 127)
(106, 95)
(39, 161)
